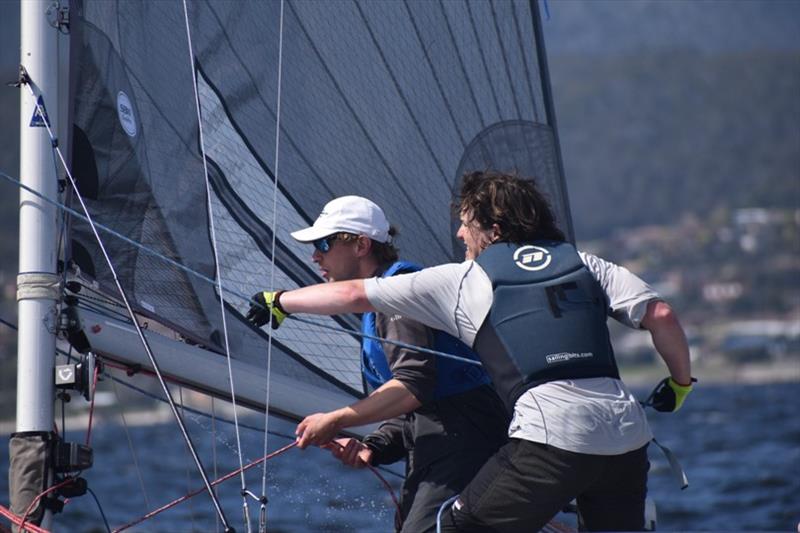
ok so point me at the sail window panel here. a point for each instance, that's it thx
(253, 184)
(245, 270)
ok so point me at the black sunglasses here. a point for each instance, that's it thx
(324, 244)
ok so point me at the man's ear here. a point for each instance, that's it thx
(363, 246)
(496, 234)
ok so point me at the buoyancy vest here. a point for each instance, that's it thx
(452, 376)
(547, 320)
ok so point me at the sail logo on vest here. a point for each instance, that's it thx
(532, 258)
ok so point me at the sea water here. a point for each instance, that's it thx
(739, 446)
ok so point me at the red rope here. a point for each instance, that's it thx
(226, 477)
(17, 521)
(382, 480)
(388, 487)
(91, 405)
(35, 501)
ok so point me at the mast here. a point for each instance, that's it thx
(37, 225)
(37, 283)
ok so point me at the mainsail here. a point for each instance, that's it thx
(389, 100)
(299, 102)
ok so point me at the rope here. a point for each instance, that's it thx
(100, 508)
(214, 483)
(91, 406)
(128, 307)
(217, 269)
(447, 502)
(17, 521)
(231, 292)
(386, 485)
(262, 518)
(41, 495)
(380, 477)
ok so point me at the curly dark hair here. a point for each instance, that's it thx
(513, 203)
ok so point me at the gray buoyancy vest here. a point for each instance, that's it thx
(547, 320)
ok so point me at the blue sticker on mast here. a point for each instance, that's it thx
(39, 118)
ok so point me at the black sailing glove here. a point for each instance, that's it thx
(266, 307)
(668, 396)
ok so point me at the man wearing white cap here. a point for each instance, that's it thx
(442, 415)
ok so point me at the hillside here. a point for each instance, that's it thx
(648, 137)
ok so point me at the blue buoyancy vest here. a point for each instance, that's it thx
(452, 376)
(547, 320)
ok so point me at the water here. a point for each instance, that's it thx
(739, 445)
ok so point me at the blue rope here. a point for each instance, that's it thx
(441, 510)
(228, 291)
(105, 520)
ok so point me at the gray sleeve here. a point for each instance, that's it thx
(416, 370)
(454, 298)
(429, 296)
(627, 294)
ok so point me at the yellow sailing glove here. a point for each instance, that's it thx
(668, 396)
(266, 307)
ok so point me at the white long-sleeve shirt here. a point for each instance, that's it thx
(596, 416)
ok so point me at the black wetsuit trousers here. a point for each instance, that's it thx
(525, 484)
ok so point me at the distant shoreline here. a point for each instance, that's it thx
(757, 373)
(787, 371)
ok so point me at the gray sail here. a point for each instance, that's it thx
(389, 100)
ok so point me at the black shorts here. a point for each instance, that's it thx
(525, 484)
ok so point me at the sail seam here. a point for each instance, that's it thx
(505, 59)
(524, 62)
(435, 75)
(400, 92)
(462, 65)
(483, 61)
(370, 140)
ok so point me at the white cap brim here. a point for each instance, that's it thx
(313, 233)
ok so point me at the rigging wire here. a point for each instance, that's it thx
(131, 447)
(217, 265)
(188, 463)
(230, 291)
(123, 295)
(262, 516)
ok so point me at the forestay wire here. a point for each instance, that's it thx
(230, 292)
(262, 520)
(217, 269)
(39, 103)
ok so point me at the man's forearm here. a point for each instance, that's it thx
(327, 298)
(390, 400)
(669, 340)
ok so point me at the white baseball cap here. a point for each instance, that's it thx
(349, 214)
